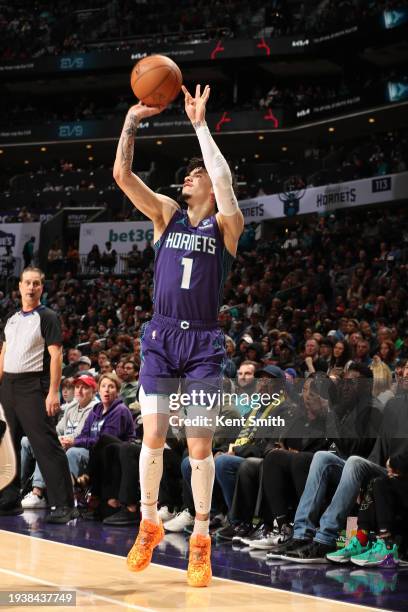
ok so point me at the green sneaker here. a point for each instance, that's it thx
(378, 556)
(352, 549)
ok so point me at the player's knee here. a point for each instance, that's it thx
(199, 448)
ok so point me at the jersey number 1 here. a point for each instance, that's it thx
(187, 264)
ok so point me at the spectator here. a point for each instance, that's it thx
(67, 393)
(108, 257)
(68, 428)
(311, 362)
(246, 382)
(387, 353)
(28, 251)
(339, 359)
(129, 387)
(110, 416)
(362, 352)
(93, 259)
(54, 258)
(382, 386)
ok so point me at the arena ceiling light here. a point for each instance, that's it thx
(261, 137)
(26, 161)
(371, 120)
(256, 155)
(89, 146)
(1, 151)
(159, 142)
(332, 129)
(43, 149)
(284, 148)
(90, 158)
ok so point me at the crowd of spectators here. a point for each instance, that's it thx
(324, 275)
(38, 29)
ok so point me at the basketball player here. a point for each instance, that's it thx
(194, 250)
(8, 461)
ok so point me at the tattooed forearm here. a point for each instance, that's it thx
(127, 142)
(197, 124)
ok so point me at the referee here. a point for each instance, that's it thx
(30, 375)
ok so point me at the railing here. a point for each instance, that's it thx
(121, 264)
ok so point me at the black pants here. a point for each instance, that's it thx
(114, 472)
(247, 494)
(283, 481)
(385, 506)
(23, 400)
(103, 466)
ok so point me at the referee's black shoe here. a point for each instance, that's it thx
(61, 515)
(10, 502)
(10, 507)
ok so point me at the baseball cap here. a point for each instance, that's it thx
(271, 370)
(85, 359)
(247, 338)
(89, 381)
(291, 372)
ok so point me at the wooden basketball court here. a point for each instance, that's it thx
(103, 581)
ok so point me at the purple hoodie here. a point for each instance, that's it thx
(117, 421)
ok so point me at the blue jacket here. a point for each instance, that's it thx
(117, 421)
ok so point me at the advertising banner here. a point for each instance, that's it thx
(122, 236)
(219, 123)
(224, 48)
(326, 198)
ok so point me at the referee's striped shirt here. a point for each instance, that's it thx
(27, 336)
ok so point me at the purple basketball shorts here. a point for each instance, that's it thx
(179, 357)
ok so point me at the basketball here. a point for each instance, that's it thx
(156, 80)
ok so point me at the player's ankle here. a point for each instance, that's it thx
(150, 513)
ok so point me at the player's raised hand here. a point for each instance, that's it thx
(141, 111)
(195, 107)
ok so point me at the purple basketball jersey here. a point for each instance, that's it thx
(190, 269)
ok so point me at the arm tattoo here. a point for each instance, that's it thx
(198, 124)
(128, 141)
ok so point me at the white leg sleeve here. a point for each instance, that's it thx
(202, 483)
(150, 473)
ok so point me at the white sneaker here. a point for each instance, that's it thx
(165, 514)
(33, 501)
(180, 521)
(269, 539)
(264, 541)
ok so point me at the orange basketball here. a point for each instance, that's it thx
(156, 80)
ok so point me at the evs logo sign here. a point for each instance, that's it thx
(70, 130)
(72, 63)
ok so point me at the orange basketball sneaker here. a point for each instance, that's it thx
(199, 563)
(149, 536)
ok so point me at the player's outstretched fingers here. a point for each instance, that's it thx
(187, 94)
(206, 93)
